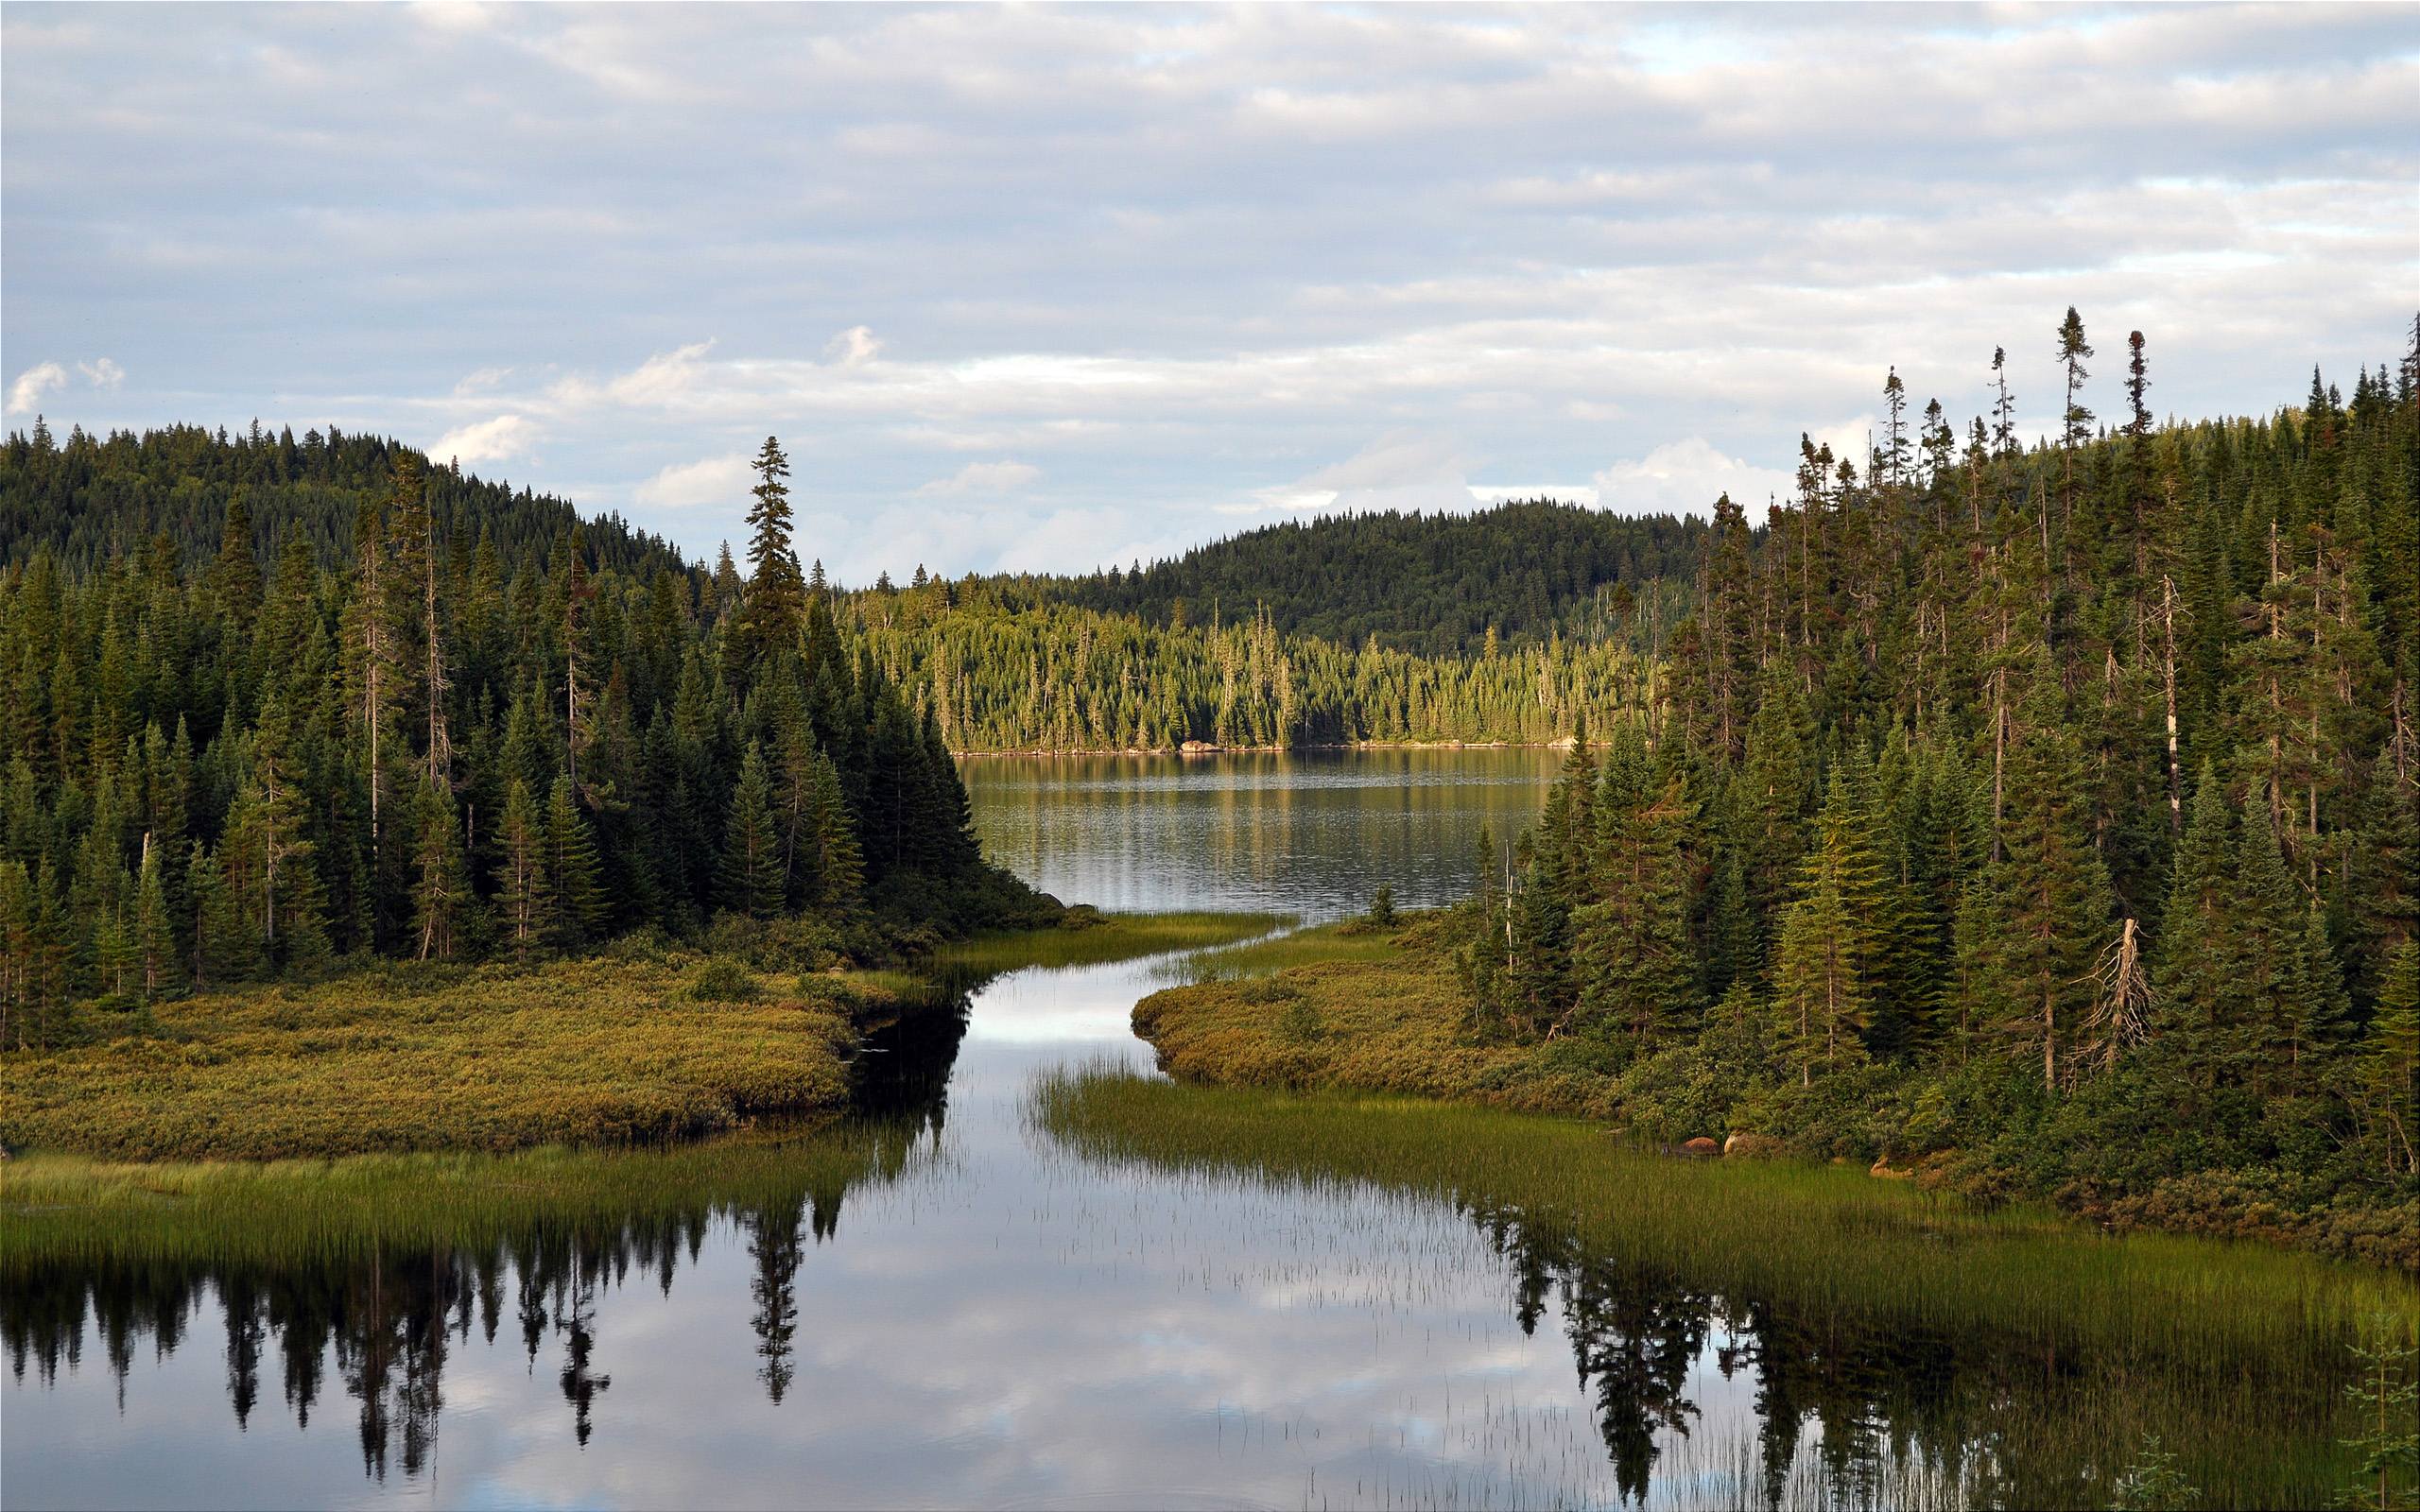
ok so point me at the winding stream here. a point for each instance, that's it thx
(984, 1318)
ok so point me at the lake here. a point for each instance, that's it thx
(979, 1316)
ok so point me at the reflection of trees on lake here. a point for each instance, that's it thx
(774, 1244)
(386, 1318)
(1880, 1399)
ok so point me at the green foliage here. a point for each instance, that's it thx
(2385, 1401)
(2152, 1482)
(449, 721)
(1438, 585)
(724, 980)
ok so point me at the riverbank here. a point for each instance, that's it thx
(2065, 1349)
(643, 1044)
(1203, 747)
(69, 1209)
(1348, 1008)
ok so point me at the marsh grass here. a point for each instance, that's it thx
(1111, 937)
(2081, 1344)
(69, 1209)
(595, 1051)
(1352, 940)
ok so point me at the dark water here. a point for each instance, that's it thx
(984, 1318)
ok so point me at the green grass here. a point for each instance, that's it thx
(1103, 938)
(1322, 943)
(2081, 1343)
(71, 1208)
(595, 1051)
(1349, 1006)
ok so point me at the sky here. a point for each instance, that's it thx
(1058, 289)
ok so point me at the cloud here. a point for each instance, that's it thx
(26, 392)
(101, 372)
(852, 347)
(1400, 470)
(985, 477)
(711, 480)
(501, 439)
(1065, 226)
(1685, 477)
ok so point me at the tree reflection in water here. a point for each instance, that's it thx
(1646, 1347)
(388, 1320)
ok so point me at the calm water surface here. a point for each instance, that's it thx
(990, 1321)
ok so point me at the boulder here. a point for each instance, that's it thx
(1751, 1146)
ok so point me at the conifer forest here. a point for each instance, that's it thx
(1661, 759)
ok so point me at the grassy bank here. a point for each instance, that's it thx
(61, 1209)
(643, 1044)
(1344, 1006)
(1092, 938)
(1384, 1011)
(595, 1050)
(2059, 1347)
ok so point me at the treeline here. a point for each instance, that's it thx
(1002, 671)
(2055, 799)
(444, 745)
(1434, 585)
(96, 497)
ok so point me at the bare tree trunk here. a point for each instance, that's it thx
(2168, 683)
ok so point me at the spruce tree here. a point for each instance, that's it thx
(442, 896)
(774, 601)
(2049, 893)
(1631, 940)
(1820, 1002)
(155, 934)
(2388, 1076)
(752, 851)
(576, 906)
(522, 889)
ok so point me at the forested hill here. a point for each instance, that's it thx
(211, 773)
(1433, 584)
(88, 497)
(2056, 806)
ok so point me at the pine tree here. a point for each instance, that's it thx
(834, 874)
(575, 908)
(774, 605)
(1631, 940)
(1820, 1002)
(441, 894)
(522, 889)
(2388, 1078)
(752, 851)
(155, 936)
(2049, 894)
(2075, 427)
(2199, 1006)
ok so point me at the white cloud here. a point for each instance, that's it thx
(689, 485)
(26, 393)
(852, 347)
(1064, 225)
(1400, 470)
(501, 439)
(985, 477)
(101, 372)
(1685, 477)
(667, 380)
